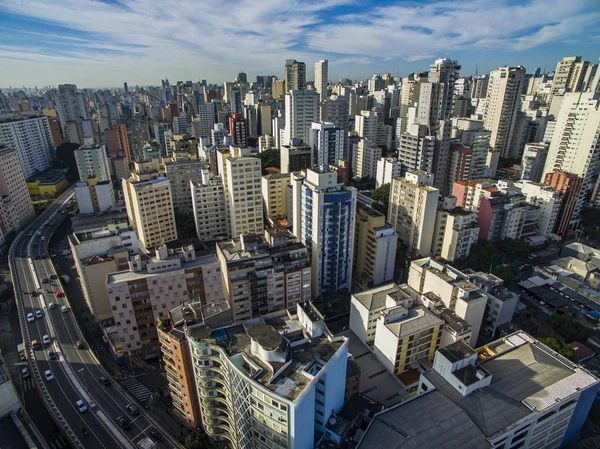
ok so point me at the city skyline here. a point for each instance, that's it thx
(101, 44)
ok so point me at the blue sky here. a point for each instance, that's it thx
(95, 43)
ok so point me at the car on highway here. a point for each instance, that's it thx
(53, 276)
(30, 233)
(81, 406)
(39, 233)
(38, 314)
(43, 238)
(46, 340)
(36, 345)
(132, 408)
(123, 422)
(51, 305)
(25, 373)
(45, 280)
(79, 344)
(30, 317)
(155, 435)
(104, 381)
(52, 355)
(64, 309)
(48, 375)
(59, 294)
(34, 294)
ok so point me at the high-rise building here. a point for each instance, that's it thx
(68, 103)
(295, 158)
(294, 75)
(181, 169)
(387, 169)
(92, 162)
(569, 75)
(502, 104)
(16, 207)
(366, 156)
(275, 195)
(569, 185)
(117, 142)
(321, 77)
(94, 191)
(278, 89)
(366, 124)
(327, 144)
(376, 242)
(206, 120)
(533, 161)
(153, 286)
(150, 210)
(412, 210)
(575, 146)
(547, 200)
(324, 214)
(456, 231)
(264, 120)
(245, 404)
(261, 277)
(209, 207)
(241, 175)
(416, 148)
(31, 139)
(301, 110)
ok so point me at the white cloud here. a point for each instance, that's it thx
(149, 39)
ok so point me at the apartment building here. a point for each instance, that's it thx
(366, 155)
(150, 210)
(152, 286)
(258, 389)
(484, 398)
(262, 277)
(94, 191)
(209, 207)
(101, 245)
(31, 138)
(376, 242)
(450, 286)
(301, 110)
(547, 200)
(295, 158)
(15, 205)
(177, 358)
(532, 163)
(388, 168)
(324, 217)
(275, 195)
(181, 169)
(412, 209)
(456, 231)
(241, 175)
(327, 143)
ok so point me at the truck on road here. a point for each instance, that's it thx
(65, 278)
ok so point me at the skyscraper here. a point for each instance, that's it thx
(238, 128)
(294, 75)
(321, 74)
(569, 75)
(68, 104)
(324, 214)
(327, 144)
(301, 110)
(575, 146)
(502, 105)
(16, 208)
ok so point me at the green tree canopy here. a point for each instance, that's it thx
(564, 349)
(568, 327)
(270, 158)
(185, 222)
(65, 159)
(382, 194)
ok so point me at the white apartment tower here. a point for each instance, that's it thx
(31, 138)
(294, 75)
(575, 146)
(327, 144)
(387, 169)
(92, 162)
(16, 208)
(502, 105)
(301, 110)
(366, 156)
(321, 76)
(208, 204)
(366, 124)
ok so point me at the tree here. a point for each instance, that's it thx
(568, 327)
(482, 256)
(270, 158)
(382, 194)
(563, 349)
(504, 273)
(252, 141)
(65, 159)
(197, 440)
(185, 221)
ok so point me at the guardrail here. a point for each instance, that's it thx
(48, 402)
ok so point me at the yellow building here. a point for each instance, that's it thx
(375, 244)
(50, 183)
(274, 192)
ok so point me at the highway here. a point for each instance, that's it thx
(76, 371)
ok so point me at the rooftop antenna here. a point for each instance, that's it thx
(476, 70)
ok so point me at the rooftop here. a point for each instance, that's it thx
(457, 351)
(418, 319)
(374, 298)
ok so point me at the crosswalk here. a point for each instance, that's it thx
(140, 392)
(28, 384)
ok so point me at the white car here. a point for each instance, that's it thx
(43, 238)
(46, 340)
(51, 305)
(38, 314)
(30, 318)
(48, 375)
(63, 309)
(81, 406)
